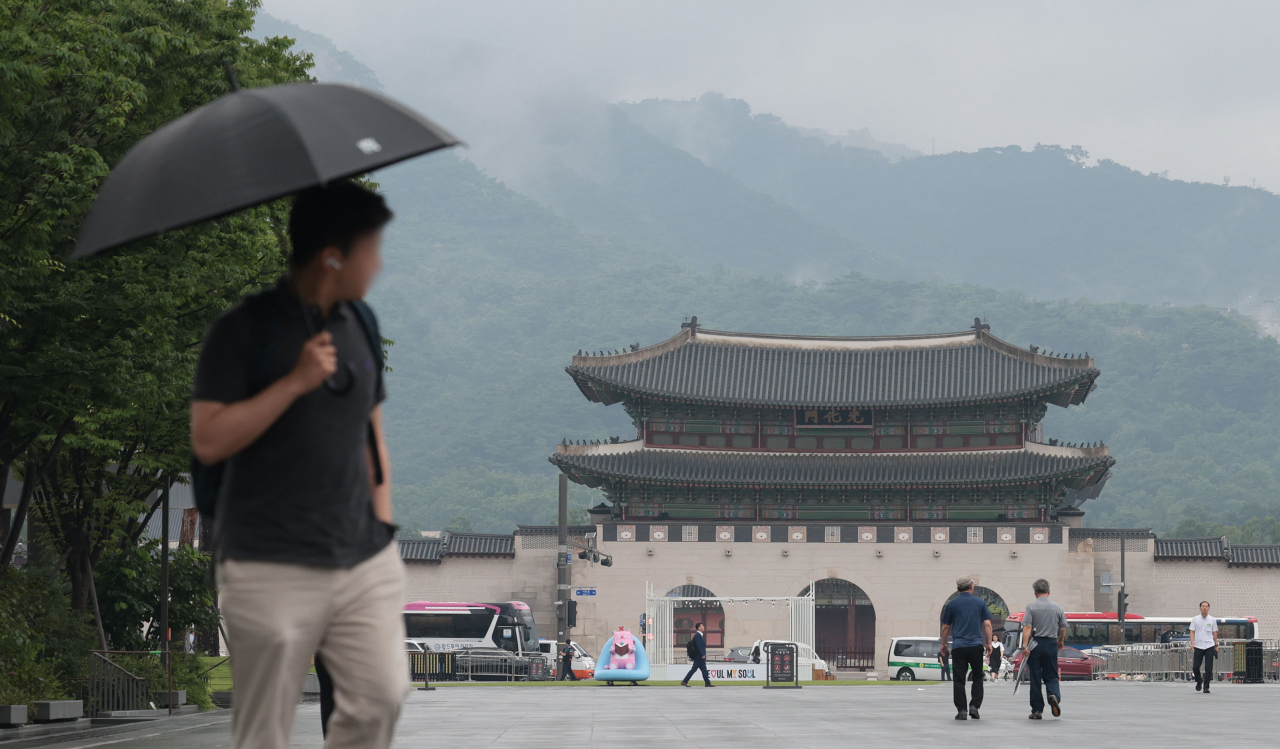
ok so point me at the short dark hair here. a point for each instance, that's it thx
(1040, 586)
(1206, 603)
(699, 625)
(335, 215)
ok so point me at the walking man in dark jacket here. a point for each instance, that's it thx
(566, 664)
(966, 620)
(697, 651)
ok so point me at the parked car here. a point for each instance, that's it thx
(739, 655)
(1073, 664)
(412, 647)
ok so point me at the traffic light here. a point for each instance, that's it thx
(606, 562)
(1122, 605)
(582, 555)
(573, 614)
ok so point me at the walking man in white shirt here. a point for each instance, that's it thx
(1204, 638)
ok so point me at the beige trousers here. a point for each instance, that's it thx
(279, 615)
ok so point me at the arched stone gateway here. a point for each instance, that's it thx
(844, 624)
(995, 604)
(688, 614)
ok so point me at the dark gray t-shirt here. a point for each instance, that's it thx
(1044, 617)
(300, 493)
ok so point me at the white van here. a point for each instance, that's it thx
(914, 658)
(584, 665)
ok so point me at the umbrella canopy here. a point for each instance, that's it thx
(247, 148)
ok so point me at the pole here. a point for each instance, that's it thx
(93, 596)
(562, 575)
(1123, 597)
(164, 587)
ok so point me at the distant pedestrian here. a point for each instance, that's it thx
(566, 664)
(697, 652)
(996, 656)
(1204, 638)
(966, 620)
(944, 660)
(1044, 632)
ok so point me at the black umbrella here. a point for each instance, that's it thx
(249, 147)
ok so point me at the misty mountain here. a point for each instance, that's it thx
(332, 65)
(630, 183)
(1041, 221)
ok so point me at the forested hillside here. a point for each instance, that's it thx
(1039, 221)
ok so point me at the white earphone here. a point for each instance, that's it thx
(333, 264)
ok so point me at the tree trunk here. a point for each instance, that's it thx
(29, 480)
(79, 580)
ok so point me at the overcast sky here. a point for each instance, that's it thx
(1187, 87)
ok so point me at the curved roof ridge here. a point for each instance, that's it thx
(704, 336)
(637, 445)
(713, 467)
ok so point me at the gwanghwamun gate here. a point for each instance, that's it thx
(858, 476)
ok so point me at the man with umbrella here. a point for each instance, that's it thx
(304, 541)
(286, 421)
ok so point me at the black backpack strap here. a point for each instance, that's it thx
(369, 323)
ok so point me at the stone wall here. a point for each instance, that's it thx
(907, 583)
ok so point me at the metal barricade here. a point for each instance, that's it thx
(1174, 661)
(110, 687)
(497, 665)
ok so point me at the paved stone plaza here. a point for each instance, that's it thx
(1094, 714)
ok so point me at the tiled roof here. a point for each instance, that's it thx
(487, 544)
(425, 550)
(1235, 555)
(1188, 548)
(1268, 555)
(707, 366)
(1111, 533)
(552, 530)
(457, 544)
(594, 465)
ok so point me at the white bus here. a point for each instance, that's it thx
(442, 627)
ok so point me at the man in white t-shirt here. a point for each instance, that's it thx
(1204, 638)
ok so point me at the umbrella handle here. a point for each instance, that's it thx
(331, 383)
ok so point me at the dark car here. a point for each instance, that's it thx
(1073, 664)
(738, 655)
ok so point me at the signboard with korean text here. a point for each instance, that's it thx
(783, 673)
(832, 417)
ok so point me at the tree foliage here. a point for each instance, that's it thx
(129, 584)
(96, 355)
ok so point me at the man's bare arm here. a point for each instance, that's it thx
(1062, 637)
(946, 632)
(986, 630)
(381, 492)
(1026, 635)
(220, 430)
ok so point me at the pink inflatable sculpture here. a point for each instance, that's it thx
(623, 653)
